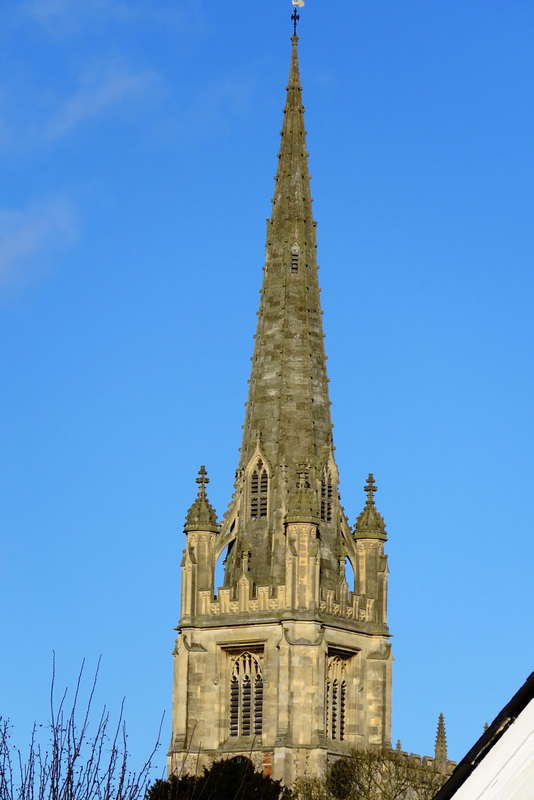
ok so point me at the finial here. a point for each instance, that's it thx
(294, 16)
(201, 516)
(202, 479)
(370, 524)
(370, 488)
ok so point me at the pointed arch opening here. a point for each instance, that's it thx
(336, 698)
(349, 575)
(259, 491)
(327, 495)
(246, 696)
(221, 566)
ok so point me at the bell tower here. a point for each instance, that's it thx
(286, 663)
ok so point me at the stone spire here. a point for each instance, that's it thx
(288, 401)
(285, 663)
(440, 752)
(370, 524)
(201, 516)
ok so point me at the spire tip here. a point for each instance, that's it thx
(295, 16)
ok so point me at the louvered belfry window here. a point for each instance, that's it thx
(336, 698)
(259, 491)
(246, 696)
(294, 259)
(327, 492)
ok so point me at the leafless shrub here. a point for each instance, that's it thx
(77, 763)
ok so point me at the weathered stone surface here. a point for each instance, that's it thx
(286, 660)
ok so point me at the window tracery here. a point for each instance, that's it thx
(259, 491)
(246, 696)
(336, 698)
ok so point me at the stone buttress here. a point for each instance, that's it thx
(286, 663)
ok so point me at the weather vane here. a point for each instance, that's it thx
(294, 16)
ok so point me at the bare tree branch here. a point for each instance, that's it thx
(76, 765)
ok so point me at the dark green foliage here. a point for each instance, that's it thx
(372, 775)
(341, 779)
(227, 779)
(160, 790)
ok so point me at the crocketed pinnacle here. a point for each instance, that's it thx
(201, 516)
(288, 401)
(440, 752)
(370, 524)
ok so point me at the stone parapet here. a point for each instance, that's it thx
(352, 607)
(426, 762)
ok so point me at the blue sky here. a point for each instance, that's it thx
(138, 146)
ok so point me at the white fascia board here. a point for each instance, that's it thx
(507, 771)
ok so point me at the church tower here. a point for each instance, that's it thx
(286, 663)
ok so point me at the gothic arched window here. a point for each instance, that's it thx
(259, 489)
(246, 696)
(327, 492)
(336, 698)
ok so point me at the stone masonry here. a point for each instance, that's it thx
(286, 663)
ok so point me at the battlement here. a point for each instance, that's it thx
(426, 762)
(351, 606)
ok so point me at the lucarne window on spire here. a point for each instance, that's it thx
(327, 492)
(259, 491)
(294, 259)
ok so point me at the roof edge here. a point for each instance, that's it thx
(489, 738)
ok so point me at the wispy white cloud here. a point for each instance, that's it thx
(31, 237)
(100, 91)
(110, 88)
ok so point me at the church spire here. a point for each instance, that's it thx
(286, 662)
(288, 397)
(287, 432)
